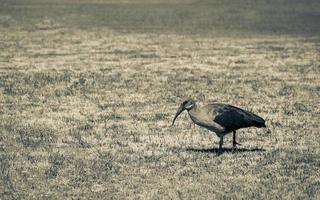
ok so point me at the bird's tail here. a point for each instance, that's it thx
(258, 122)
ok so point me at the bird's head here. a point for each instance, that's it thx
(185, 105)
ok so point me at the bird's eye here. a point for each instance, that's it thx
(188, 105)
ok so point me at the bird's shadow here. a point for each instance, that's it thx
(225, 150)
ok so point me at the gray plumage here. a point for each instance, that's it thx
(233, 118)
(220, 118)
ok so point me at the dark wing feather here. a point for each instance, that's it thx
(233, 118)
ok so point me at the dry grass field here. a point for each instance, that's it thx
(88, 90)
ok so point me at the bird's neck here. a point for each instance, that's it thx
(193, 113)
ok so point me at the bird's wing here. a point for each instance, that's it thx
(233, 118)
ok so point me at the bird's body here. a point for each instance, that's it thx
(221, 118)
(203, 117)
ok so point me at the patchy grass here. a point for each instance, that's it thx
(233, 18)
(86, 112)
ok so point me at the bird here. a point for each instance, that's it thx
(220, 118)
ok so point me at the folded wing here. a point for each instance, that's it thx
(233, 118)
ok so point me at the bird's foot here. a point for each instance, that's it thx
(234, 148)
(236, 143)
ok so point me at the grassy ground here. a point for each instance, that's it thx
(86, 104)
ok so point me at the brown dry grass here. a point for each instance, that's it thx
(85, 114)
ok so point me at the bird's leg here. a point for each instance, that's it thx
(234, 142)
(220, 144)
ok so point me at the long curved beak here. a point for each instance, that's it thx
(180, 110)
